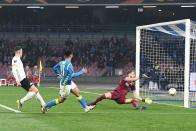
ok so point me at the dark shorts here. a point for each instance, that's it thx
(118, 98)
(26, 84)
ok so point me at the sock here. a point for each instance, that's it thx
(40, 99)
(134, 103)
(55, 102)
(28, 96)
(82, 102)
(99, 99)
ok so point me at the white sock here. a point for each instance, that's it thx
(28, 96)
(40, 99)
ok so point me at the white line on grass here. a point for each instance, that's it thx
(143, 112)
(167, 104)
(90, 93)
(9, 108)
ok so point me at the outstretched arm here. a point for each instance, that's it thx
(131, 79)
(79, 73)
(76, 74)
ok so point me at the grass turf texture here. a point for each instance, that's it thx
(107, 116)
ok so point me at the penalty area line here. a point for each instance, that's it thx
(9, 108)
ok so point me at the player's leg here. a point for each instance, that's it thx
(139, 98)
(107, 95)
(75, 90)
(38, 95)
(134, 103)
(63, 92)
(30, 92)
(55, 102)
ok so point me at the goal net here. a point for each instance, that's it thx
(167, 53)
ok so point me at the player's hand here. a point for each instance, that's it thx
(18, 83)
(84, 70)
(59, 77)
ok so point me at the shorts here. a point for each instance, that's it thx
(118, 98)
(66, 89)
(26, 84)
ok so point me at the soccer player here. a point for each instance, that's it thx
(126, 84)
(64, 71)
(21, 80)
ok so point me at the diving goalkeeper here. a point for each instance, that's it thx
(126, 84)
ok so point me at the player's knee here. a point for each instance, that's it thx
(107, 96)
(34, 89)
(134, 103)
(76, 92)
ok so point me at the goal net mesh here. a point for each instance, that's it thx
(162, 57)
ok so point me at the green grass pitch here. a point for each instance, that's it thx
(107, 116)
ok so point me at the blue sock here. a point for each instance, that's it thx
(52, 103)
(82, 102)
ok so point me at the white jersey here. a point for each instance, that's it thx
(18, 69)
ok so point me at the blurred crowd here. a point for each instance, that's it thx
(106, 53)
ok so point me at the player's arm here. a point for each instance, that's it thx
(76, 74)
(131, 79)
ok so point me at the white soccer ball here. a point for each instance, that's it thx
(172, 91)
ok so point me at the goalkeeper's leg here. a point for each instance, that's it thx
(133, 102)
(107, 95)
(139, 98)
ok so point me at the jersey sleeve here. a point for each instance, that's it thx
(122, 82)
(74, 74)
(77, 74)
(56, 69)
(14, 69)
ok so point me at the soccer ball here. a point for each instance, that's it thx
(172, 91)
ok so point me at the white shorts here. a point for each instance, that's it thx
(65, 90)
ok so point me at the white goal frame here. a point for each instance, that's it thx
(187, 23)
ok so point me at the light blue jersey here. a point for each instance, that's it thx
(66, 71)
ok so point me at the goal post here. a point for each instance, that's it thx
(166, 52)
(187, 64)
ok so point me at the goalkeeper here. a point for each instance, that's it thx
(126, 84)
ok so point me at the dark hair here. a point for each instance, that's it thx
(67, 53)
(17, 48)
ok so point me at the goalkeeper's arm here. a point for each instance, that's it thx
(131, 79)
